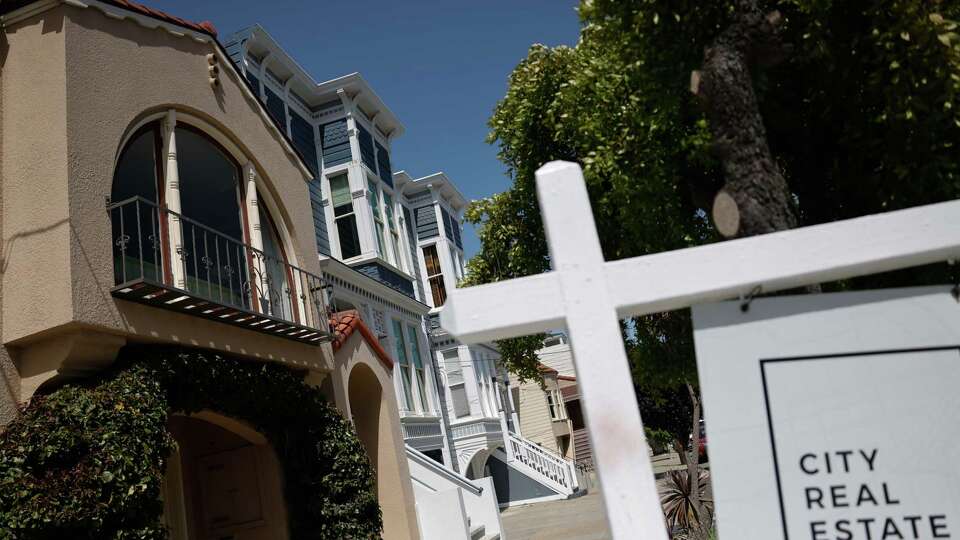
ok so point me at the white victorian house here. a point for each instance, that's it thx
(390, 248)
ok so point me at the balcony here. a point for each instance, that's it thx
(487, 427)
(211, 275)
(422, 433)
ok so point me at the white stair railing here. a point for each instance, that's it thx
(556, 472)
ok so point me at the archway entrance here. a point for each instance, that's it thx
(477, 466)
(223, 482)
(364, 394)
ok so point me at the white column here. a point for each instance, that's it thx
(502, 412)
(263, 73)
(257, 281)
(171, 194)
(513, 406)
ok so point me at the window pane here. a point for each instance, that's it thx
(374, 200)
(461, 407)
(414, 346)
(424, 406)
(137, 225)
(378, 232)
(438, 290)
(209, 183)
(210, 196)
(388, 208)
(432, 260)
(451, 364)
(349, 238)
(273, 288)
(136, 173)
(340, 191)
(400, 346)
(407, 395)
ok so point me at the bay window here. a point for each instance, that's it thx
(455, 384)
(374, 200)
(435, 275)
(392, 225)
(344, 218)
(418, 367)
(400, 348)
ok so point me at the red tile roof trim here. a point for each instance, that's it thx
(567, 378)
(205, 27)
(545, 369)
(345, 324)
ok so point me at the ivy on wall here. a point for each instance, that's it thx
(87, 461)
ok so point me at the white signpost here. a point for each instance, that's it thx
(587, 295)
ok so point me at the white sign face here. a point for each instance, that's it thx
(834, 416)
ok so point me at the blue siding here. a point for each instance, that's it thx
(254, 82)
(235, 51)
(448, 222)
(451, 227)
(303, 139)
(276, 107)
(387, 276)
(336, 143)
(366, 147)
(383, 162)
(426, 222)
(456, 234)
(319, 223)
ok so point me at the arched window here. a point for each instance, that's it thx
(213, 261)
(137, 229)
(276, 296)
(213, 233)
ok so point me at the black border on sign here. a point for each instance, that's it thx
(834, 356)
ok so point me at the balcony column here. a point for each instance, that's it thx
(258, 285)
(171, 197)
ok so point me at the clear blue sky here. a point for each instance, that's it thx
(440, 65)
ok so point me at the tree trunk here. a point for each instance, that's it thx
(755, 198)
(701, 529)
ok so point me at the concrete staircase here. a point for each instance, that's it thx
(531, 473)
(451, 506)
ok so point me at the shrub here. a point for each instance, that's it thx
(678, 507)
(87, 461)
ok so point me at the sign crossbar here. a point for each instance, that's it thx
(588, 296)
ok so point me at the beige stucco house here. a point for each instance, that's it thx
(147, 197)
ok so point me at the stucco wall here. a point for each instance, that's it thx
(36, 234)
(116, 72)
(394, 488)
(74, 83)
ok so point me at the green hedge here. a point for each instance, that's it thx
(87, 461)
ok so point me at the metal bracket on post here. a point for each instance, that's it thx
(746, 300)
(955, 291)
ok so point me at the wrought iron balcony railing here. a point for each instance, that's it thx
(168, 260)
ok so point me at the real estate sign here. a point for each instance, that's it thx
(834, 416)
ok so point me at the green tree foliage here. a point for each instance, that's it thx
(862, 117)
(87, 461)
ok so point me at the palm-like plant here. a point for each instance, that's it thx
(675, 499)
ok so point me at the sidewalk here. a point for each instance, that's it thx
(572, 519)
